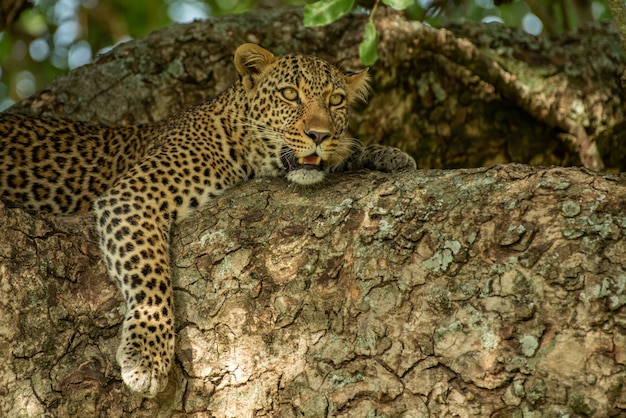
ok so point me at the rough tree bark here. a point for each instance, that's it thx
(487, 292)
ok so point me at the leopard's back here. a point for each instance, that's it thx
(59, 165)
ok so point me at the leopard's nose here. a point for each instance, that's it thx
(317, 136)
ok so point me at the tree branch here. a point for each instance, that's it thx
(432, 292)
(436, 110)
(465, 53)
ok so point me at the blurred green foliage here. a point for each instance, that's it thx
(57, 35)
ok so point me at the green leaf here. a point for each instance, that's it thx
(398, 4)
(368, 50)
(323, 12)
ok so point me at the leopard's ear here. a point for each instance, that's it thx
(357, 84)
(251, 60)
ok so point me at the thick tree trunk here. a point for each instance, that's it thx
(487, 292)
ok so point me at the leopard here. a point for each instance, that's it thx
(285, 116)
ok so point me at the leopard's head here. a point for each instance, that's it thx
(299, 107)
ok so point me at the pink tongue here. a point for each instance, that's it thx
(310, 159)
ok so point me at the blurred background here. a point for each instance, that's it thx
(55, 36)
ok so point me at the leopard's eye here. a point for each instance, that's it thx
(290, 94)
(337, 99)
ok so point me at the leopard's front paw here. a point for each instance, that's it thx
(145, 357)
(386, 159)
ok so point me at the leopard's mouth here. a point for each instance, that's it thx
(305, 171)
(309, 162)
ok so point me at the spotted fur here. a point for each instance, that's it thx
(286, 116)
